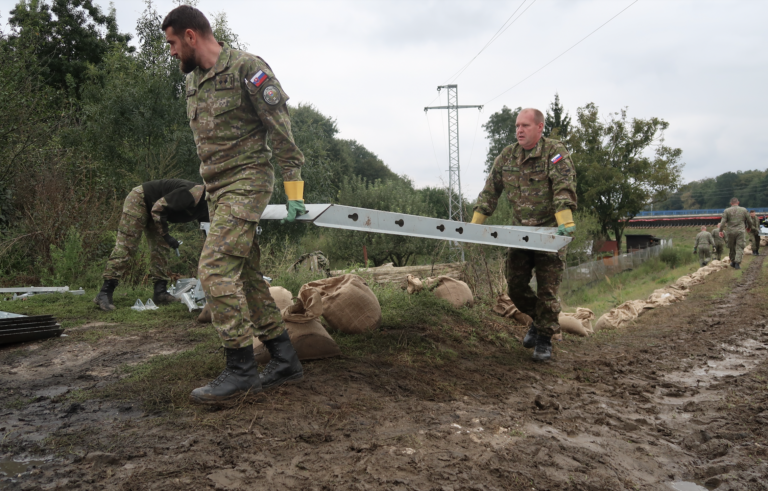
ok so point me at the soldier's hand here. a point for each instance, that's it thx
(295, 209)
(694, 250)
(173, 243)
(563, 230)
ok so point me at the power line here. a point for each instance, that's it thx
(564, 52)
(496, 35)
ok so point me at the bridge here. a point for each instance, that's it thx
(684, 218)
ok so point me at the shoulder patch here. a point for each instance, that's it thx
(258, 78)
(271, 95)
(557, 158)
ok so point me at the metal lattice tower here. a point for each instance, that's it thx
(455, 201)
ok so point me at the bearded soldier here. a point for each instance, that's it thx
(703, 244)
(734, 223)
(147, 210)
(539, 180)
(234, 105)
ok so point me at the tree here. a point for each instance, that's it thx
(500, 130)
(72, 35)
(557, 124)
(622, 165)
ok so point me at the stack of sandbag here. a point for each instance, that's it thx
(666, 296)
(578, 323)
(505, 308)
(763, 240)
(748, 249)
(308, 336)
(283, 298)
(348, 304)
(621, 316)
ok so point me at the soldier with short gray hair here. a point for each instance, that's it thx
(539, 180)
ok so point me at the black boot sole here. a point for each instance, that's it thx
(539, 359)
(218, 401)
(293, 379)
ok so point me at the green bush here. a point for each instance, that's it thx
(674, 256)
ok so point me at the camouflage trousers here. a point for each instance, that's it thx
(704, 253)
(135, 221)
(755, 239)
(718, 252)
(736, 245)
(544, 305)
(241, 305)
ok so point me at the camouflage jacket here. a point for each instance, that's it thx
(735, 219)
(232, 109)
(754, 225)
(719, 241)
(704, 239)
(537, 185)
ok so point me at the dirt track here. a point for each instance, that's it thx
(682, 395)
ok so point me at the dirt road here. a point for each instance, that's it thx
(680, 396)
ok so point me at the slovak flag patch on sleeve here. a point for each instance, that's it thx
(259, 78)
(557, 158)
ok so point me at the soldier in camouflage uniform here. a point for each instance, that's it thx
(539, 180)
(147, 210)
(734, 223)
(719, 244)
(235, 105)
(754, 229)
(702, 245)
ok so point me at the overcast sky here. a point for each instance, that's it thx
(375, 65)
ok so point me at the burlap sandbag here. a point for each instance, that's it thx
(414, 284)
(621, 316)
(455, 291)
(505, 308)
(763, 241)
(308, 336)
(205, 316)
(579, 322)
(283, 298)
(348, 304)
(748, 249)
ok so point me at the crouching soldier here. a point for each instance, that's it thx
(149, 209)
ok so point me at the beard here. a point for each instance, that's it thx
(188, 61)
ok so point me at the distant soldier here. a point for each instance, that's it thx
(148, 209)
(754, 229)
(719, 243)
(733, 225)
(539, 180)
(703, 244)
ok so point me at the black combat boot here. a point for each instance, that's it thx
(737, 265)
(161, 295)
(238, 378)
(284, 365)
(543, 351)
(529, 341)
(104, 298)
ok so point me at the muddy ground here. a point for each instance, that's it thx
(680, 396)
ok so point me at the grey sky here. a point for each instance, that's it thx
(374, 65)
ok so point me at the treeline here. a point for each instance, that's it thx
(751, 187)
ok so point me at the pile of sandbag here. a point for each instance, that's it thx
(763, 240)
(302, 321)
(349, 305)
(631, 310)
(455, 291)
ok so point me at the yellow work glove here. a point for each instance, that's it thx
(565, 225)
(294, 190)
(479, 218)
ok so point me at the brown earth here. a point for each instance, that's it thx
(680, 396)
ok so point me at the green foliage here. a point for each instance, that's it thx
(557, 123)
(72, 35)
(615, 176)
(501, 132)
(751, 187)
(67, 261)
(677, 256)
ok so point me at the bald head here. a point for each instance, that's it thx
(703, 228)
(734, 201)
